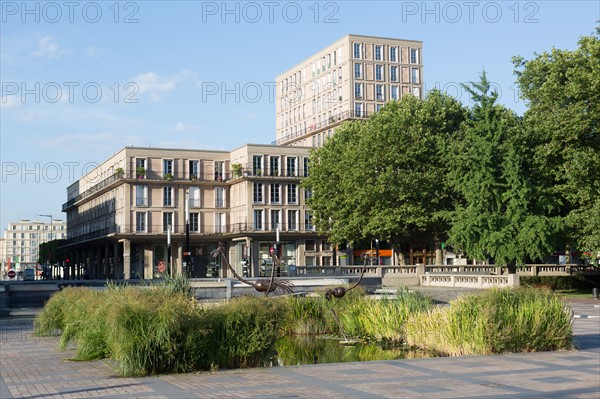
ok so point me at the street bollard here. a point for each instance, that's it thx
(595, 293)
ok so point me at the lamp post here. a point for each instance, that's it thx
(51, 220)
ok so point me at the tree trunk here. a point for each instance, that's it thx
(399, 255)
(512, 267)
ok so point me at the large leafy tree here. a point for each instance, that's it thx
(508, 214)
(562, 89)
(385, 178)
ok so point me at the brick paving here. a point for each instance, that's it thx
(32, 367)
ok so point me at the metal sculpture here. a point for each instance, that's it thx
(279, 285)
(339, 292)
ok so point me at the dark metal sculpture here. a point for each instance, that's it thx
(339, 292)
(279, 285)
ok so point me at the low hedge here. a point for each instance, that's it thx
(562, 282)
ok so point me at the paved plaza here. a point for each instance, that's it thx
(32, 367)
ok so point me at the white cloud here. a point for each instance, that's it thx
(8, 102)
(95, 52)
(155, 86)
(182, 127)
(49, 48)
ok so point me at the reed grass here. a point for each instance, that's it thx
(497, 321)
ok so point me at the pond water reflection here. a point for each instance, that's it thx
(299, 350)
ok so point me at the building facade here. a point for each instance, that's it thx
(350, 79)
(127, 218)
(22, 239)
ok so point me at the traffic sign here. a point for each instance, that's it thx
(11, 274)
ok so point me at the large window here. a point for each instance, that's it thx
(195, 222)
(393, 51)
(305, 167)
(168, 166)
(219, 197)
(292, 220)
(257, 191)
(275, 194)
(378, 52)
(358, 110)
(257, 165)
(358, 90)
(414, 56)
(394, 73)
(258, 219)
(379, 93)
(394, 92)
(414, 75)
(141, 195)
(195, 197)
(219, 170)
(194, 167)
(140, 222)
(291, 165)
(274, 166)
(292, 194)
(168, 221)
(358, 71)
(357, 50)
(308, 221)
(378, 72)
(275, 219)
(168, 196)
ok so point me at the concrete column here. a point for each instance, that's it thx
(148, 262)
(106, 263)
(98, 263)
(126, 259)
(117, 264)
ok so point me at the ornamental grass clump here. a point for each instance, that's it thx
(381, 320)
(497, 321)
(309, 316)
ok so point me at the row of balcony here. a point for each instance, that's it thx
(161, 229)
(245, 171)
(318, 126)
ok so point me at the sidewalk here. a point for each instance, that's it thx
(32, 368)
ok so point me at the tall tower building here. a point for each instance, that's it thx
(350, 79)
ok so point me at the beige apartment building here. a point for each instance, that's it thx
(123, 215)
(22, 239)
(350, 79)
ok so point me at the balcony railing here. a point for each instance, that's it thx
(317, 126)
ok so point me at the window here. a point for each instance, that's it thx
(358, 110)
(378, 72)
(141, 195)
(292, 194)
(310, 261)
(140, 221)
(219, 170)
(378, 107)
(220, 225)
(357, 90)
(305, 168)
(393, 73)
(310, 245)
(393, 51)
(414, 56)
(193, 170)
(394, 92)
(292, 220)
(258, 219)
(195, 197)
(167, 166)
(378, 49)
(275, 219)
(275, 194)
(308, 218)
(274, 166)
(257, 190)
(414, 75)
(195, 222)
(416, 92)
(357, 50)
(257, 165)
(326, 261)
(379, 92)
(219, 197)
(326, 246)
(167, 221)
(307, 193)
(291, 164)
(358, 71)
(168, 196)
(139, 163)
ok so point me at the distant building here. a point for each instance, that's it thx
(119, 215)
(21, 242)
(350, 79)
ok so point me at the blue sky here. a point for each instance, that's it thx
(81, 80)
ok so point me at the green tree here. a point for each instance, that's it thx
(507, 215)
(50, 252)
(562, 88)
(385, 178)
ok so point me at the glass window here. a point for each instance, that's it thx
(379, 92)
(258, 219)
(414, 76)
(219, 197)
(195, 197)
(291, 166)
(257, 189)
(414, 56)
(141, 195)
(357, 50)
(310, 245)
(168, 196)
(393, 73)
(305, 167)
(274, 166)
(193, 170)
(219, 170)
(357, 90)
(167, 166)
(357, 71)
(308, 221)
(275, 219)
(292, 194)
(358, 110)
(394, 92)
(275, 194)
(140, 221)
(378, 50)
(195, 222)
(167, 221)
(393, 54)
(378, 72)
(257, 165)
(292, 220)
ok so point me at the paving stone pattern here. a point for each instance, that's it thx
(32, 367)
